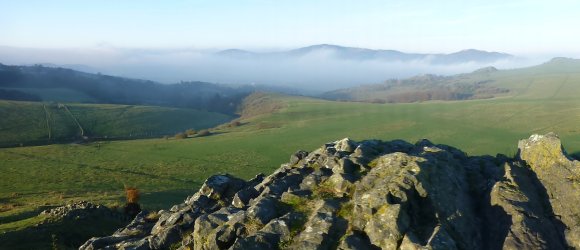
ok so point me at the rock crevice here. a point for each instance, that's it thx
(378, 195)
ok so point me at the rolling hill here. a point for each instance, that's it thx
(33, 83)
(480, 84)
(362, 54)
(34, 123)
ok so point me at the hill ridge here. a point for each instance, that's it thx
(357, 53)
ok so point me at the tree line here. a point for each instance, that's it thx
(119, 90)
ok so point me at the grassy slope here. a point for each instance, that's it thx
(167, 170)
(26, 122)
(539, 82)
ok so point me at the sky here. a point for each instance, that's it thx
(442, 26)
(175, 40)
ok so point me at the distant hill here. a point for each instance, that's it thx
(484, 83)
(41, 83)
(351, 53)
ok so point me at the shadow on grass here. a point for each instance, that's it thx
(575, 155)
(61, 234)
(104, 169)
(166, 199)
(23, 215)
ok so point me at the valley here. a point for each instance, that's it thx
(166, 170)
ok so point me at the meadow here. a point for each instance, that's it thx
(35, 123)
(168, 170)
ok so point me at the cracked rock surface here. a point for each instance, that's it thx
(378, 195)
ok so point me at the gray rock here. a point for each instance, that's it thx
(317, 233)
(355, 241)
(559, 176)
(98, 243)
(375, 195)
(221, 186)
(264, 209)
(204, 230)
(298, 156)
(531, 224)
(165, 237)
(243, 197)
(259, 241)
(345, 145)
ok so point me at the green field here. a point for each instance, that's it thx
(34, 123)
(543, 99)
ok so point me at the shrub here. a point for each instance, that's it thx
(190, 132)
(204, 132)
(132, 195)
(180, 136)
(132, 208)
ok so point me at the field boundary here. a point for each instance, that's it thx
(47, 114)
(74, 119)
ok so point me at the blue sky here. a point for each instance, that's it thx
(515, 26)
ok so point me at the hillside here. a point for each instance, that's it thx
(480, 84)
(39, 83)
(34, 123)
(375, 194)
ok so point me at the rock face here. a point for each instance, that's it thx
(378, 195)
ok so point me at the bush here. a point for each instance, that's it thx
(235, 124)
(190, 132)
(180, 136)
(132, 195)
(132, 208)
(204, 132)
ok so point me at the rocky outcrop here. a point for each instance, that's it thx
(79, 210)
(378, 195)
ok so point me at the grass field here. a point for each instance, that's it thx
(166, 171)
(33, 123)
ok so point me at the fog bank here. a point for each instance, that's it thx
(312, 72)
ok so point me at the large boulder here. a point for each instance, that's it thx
(559, 176)
(379, 195)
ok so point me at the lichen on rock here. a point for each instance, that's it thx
(379, 195)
